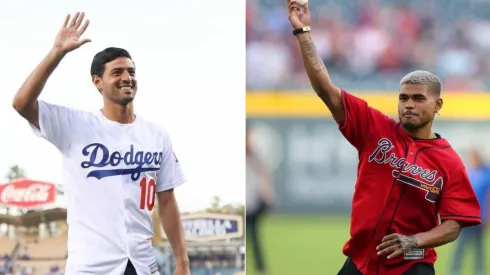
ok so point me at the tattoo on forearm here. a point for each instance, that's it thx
(450, 227)
(408, 242)
(312, 56)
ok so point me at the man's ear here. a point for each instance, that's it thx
(97, 80)
(439, 104)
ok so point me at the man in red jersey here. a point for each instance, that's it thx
(412, 193)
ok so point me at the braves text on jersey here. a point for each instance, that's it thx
(111, 172)
(403, 185)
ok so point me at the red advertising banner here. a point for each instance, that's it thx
(27, 193)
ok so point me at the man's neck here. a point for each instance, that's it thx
(120, 113)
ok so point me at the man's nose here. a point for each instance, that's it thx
(126, 76)
(409, 104)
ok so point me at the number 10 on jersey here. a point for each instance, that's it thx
(147, 194)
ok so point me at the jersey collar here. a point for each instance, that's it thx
(115, 123)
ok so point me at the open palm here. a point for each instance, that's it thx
(299, 16)
(68, 37)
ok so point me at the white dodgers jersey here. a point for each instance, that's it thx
(111, 172)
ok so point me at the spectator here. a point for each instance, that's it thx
(479, 174)
(371, 44)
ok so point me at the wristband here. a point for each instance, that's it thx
(301, 30)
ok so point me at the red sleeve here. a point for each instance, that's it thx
(361, 120)
(458, 200)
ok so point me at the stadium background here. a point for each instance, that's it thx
(33, 238)
(367, 47)
(33, 231)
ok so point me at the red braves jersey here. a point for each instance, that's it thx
(403, 185)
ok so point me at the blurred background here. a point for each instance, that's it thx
(301, 212)
(33, 232)
(33, 229)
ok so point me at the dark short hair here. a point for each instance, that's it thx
(106, 56)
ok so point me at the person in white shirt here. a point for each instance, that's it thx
(260, 199)
(114, 163)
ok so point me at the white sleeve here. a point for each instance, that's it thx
(170, 174)
(54, 123)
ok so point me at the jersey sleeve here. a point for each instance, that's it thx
(170, 174)
(458, 200)
(361, 120)
(55, 124)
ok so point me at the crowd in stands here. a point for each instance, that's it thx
(47, 257)
(34, 256)
(370, 45)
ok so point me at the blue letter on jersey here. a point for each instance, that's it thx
(100, 156)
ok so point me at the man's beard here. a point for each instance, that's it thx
(413, 126)
(125, 101)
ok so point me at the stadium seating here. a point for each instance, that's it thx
(46, 248)
(370, 45)
(7, 246)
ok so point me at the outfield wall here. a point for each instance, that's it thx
(314, 167)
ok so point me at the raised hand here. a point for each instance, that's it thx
(299, 16)
(68, 38)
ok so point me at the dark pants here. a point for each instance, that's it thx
(350, 268)
(473, 237)
(253, 234)
(130, 269)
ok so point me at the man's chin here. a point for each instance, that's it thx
(126, 100)
(410, 126)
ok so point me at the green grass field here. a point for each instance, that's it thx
(313, 245)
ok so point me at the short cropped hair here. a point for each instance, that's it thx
(106, 56)
(425, 78)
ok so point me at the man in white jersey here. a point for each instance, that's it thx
(113, 165)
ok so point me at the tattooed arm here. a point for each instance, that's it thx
(397, 244)
(319, 78)
(448, 231)
(316, 70)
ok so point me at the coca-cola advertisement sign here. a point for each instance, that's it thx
(27, 193)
